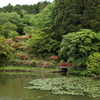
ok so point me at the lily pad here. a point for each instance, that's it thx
(68, 85)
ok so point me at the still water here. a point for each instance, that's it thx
(12, 88)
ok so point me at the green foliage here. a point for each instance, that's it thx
(8, 22)
(8, 8)
(93, 63)
(9, 26)
(7, 29)
(42, 44)
(9, 17)
(5, 51)
(77, 46)
(2, 45)
(44, 19)
(3, 18)
(40, 20)
(72, 15)
(30, 9)
(1, 27)
(12, 34)
(17, 9)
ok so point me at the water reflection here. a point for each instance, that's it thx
(11, 88)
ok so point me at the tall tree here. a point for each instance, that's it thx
(17, 9)
(72, 15)
(40, 20)
(8, 8)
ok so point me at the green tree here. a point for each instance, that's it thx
(10, 26)
(8, 8)
(14, 18)
(3, 18)
(77, 46)
(42, 5)
(5, 51)
(72, 15)
(7, 29)
(17, 9)
(41, 43)
(9, 17)
(1, 27)
(41, 20)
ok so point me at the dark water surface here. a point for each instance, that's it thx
(12, 88)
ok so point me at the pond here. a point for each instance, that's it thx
(12, 88)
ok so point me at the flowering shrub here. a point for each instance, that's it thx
(34, 57)
(9, 41)
(16, 62)
(16, 45)
(66, 64)
(45, 64)
(27, 63)
(24, 57)
(52, 64)
(18, 38)
(17, 55)
(38, 64)
(41, 58)
(53, 57)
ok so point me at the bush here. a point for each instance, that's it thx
(93, 63)
(12, 34)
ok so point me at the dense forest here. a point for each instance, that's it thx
(67, 29)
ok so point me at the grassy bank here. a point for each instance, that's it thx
(26, 69)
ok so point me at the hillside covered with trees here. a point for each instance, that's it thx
(65, 30)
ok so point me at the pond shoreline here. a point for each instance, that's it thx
(18, 70)
(36, 71)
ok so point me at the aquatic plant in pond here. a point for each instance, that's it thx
(68, 85)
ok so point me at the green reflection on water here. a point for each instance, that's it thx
(12, 88)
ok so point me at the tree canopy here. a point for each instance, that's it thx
(72, 15)
(77, 46)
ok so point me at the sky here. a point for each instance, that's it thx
(21, 2)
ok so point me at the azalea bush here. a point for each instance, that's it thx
(24, 63)
(22, 60)
(20, 38)
(66, 64)
(16, 45)
(53, 57)
(44, 64)
(10, 41)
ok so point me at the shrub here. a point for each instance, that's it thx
(53, 57)
(16, 46)
(93, 63)
(12, 34)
